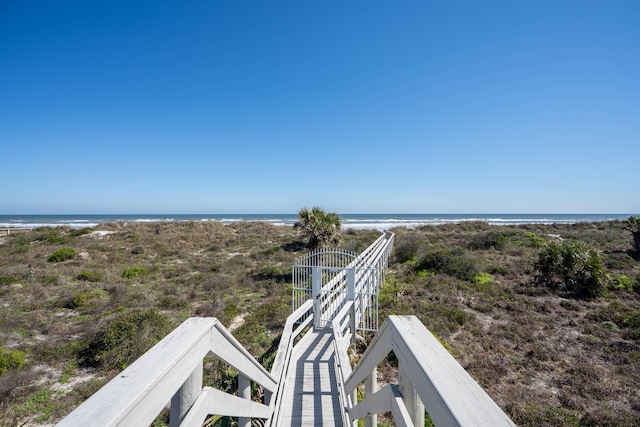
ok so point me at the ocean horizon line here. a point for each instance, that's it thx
(355, 221)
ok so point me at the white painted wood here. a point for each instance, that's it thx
(410, 397)
(140, 392)
(185, 396)
(280, 369)
(370, 387)
(244, 391)
(311, 395)
(226, 348)
(450, 394)
(387, 399)
(212, 401)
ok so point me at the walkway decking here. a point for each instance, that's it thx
(312, 399)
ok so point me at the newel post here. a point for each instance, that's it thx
(185, 396)
(244, 391)
(410, 397)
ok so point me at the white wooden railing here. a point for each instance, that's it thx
(295, 326)
(428, 377)
(359, 281)
(173, 371)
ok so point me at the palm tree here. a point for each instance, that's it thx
(320, 227)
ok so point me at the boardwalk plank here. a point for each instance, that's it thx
(311, 396)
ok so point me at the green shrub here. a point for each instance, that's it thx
(632, 322)
(90, 276)
(579, 270)
(83, 299)
(52, 236)
(406, 248)
(10, 359)
(621, 282)
(123, 339)
(63, 254)
(8, 280)
(172, 302)
(453, 263)
(632, 225)
(134, 271)
(535, 241)
(488, 240)
(80, 231)
(482, 278)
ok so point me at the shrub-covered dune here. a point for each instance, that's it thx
(77, 306)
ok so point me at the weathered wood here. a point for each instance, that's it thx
(244, 391)
(311, 396)
(283, 356)
(213, 401)
(138, 394)
(370, 387)
(452, 397)
(186, 395)
(410, 397)
(387, 399)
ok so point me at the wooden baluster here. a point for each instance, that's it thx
(244, 391)
(370, 387)
(410, 397)
(185, 396)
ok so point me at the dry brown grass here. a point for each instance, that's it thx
(546, 359)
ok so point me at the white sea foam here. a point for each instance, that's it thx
(32, 225)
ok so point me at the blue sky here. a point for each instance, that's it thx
(355, 106)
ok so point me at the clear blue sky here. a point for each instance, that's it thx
(356, 106)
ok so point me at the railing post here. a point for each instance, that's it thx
(185, 396)
(370, 387)
(410, 397)
(244, 391)
(316, 288)
(351, 296)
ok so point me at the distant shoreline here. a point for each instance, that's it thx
(350, 221)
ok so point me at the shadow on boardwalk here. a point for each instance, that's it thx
(313, 398)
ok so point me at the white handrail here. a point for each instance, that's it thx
(450, 395)
(138, 394)
(294, 326)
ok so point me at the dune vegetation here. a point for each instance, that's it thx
(545, 317)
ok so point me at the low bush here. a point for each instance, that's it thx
(63, 254)
(406, 248)
(454, 263)
(621, 282)
(90, 276)
(535, 241)
(123, 339)
(488, 240)
(10, 359)
(52, 236)
(482, 278)
(135, 271)
(579, 270)
(83, 300)
(632, 225)
(8, 280)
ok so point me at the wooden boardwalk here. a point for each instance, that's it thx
(311, 396)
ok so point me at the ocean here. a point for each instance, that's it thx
(357, 221)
